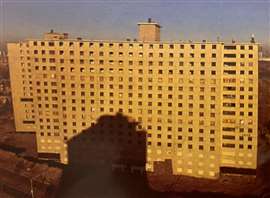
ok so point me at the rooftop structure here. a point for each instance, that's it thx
(149, 31)
(55, 36)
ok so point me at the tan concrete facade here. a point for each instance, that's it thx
(21, 87)
(197, 101)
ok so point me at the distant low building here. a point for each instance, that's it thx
(264, 59)
(3, 59)
(23, 178)
(5, 87)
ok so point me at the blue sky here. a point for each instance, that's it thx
(116, 19)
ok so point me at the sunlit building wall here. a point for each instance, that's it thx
(197, 101)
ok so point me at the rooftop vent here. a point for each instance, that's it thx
(252, 39)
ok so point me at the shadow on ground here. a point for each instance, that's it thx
(107, 160)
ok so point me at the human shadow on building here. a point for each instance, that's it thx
(107, 160)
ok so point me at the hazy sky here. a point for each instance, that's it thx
(117, 19)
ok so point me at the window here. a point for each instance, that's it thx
(230, 47)
(229, 55)
(228, 112)
(228, 145)
(51, 44)
(200, 147)
(229, 72)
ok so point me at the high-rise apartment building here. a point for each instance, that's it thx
(197, 101)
